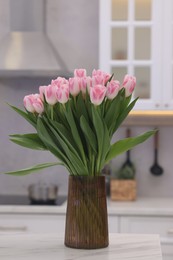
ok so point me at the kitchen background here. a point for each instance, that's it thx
(73, 28)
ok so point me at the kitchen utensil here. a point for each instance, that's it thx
(42, 193)
(156, 169)
(127, 170)
(107, 173)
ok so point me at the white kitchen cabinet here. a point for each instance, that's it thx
(136, 37)
(113, 224)
(32, 223)
(42, 223)
(151, 225)
(145, 216)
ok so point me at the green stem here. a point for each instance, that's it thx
(75, 102)
(51, 112)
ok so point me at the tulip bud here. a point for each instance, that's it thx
(62, 93)
(97, 94)
(28, 103)
(33, 103)
(80, 73)
(113, 88)
(74, 86)
(85, 83)
(38, 104)
(42, 92)
(59, 81)
(129, 84)
(100, 77)
(50, 94)
(97, 80)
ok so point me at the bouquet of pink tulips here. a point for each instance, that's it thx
(75, 120)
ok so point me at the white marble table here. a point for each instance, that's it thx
(51, 247)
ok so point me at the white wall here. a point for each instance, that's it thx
(73, 28)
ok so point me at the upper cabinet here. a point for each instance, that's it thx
(136, 37)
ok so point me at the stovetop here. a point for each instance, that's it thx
(24, 200)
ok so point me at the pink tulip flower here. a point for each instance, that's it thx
(100, 76)
(74, 85)
(80, 73)
(85, 84)
(97, 94)
(33, 103)
(113, 88)
(62, 93)
(129, 84)
(59, 81)
(28, 103)
(50, 94)
(38, 104)
(97, 80)
(42, 92)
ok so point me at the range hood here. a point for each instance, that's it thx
(26, 50)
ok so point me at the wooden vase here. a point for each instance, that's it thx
(86, 216)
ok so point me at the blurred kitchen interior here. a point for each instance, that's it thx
(72, 28)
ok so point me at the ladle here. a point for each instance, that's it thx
(156, 169)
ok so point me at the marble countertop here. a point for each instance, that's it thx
(142, 206)
(51, 246)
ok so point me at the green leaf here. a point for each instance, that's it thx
(65, 131)
(28, 116)
(90, 136)
(126, 144)
(106, 145)
(32, 169)
(52, 144)
(98, 126)
(68, 148)
(75, 132)
(124, 114)
(48, 141)
(112, 113)
(31, 141)
(81, 108)
(103, 140)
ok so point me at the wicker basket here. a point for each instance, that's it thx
(123, 190)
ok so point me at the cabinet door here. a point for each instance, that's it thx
(151, 225)
(113, 224)
(167, 83)
(32, 223)
(130, 42)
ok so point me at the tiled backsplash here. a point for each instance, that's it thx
(73, 28)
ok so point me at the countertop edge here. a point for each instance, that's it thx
(143, 206)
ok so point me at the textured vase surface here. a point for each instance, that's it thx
(86, 216)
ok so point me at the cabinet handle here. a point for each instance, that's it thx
(6, 228)
(170, 231)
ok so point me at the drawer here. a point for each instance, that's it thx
(32, 223)
(147, 225)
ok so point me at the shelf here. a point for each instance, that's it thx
(149, 118)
